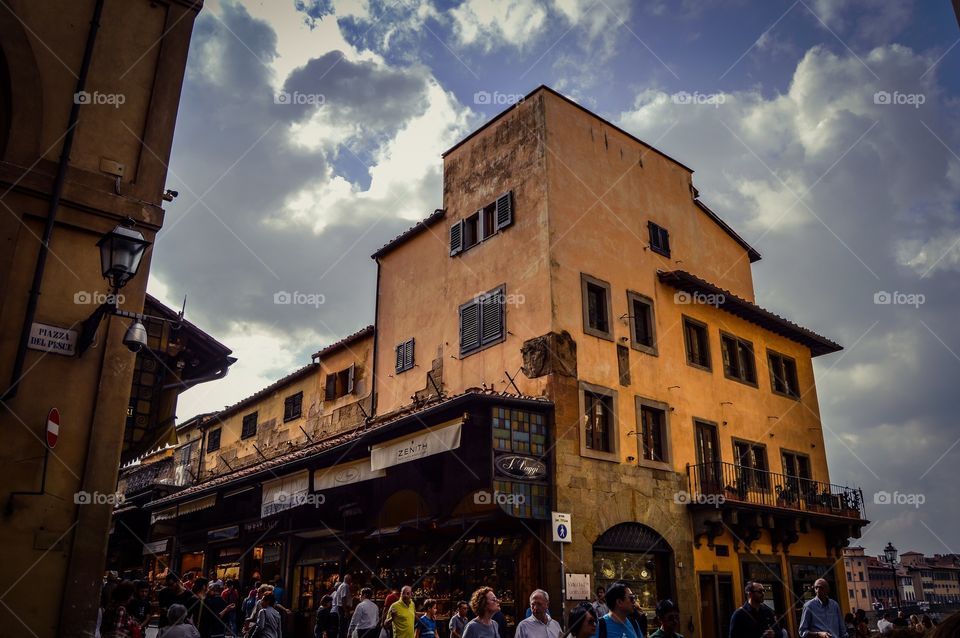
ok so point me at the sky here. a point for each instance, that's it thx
(824, 131)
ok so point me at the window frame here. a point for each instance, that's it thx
(344, 383)
(406, 363)
(738, 341)
(641, 402)
(663, 237)
(219, 432)
(614, 428)
(500, 290)
(760, 477)
(632, 297)
(796, 374)
(244, 434)
(685, 319)
(288, 416)
(585, 282)
(486, 221)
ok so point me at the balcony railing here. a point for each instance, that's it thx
(736, 483)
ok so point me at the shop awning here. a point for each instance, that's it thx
(442, 438)
(189, 507)
(344, 474)
(285, 493)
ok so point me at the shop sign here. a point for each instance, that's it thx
(578, 587)
(344, 474)
(434, 441)
(156, 547)
(259, 526)
(286, 493)
(521, 467)
(224, 533)
(271, 554)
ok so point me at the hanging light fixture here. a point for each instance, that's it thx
(121, 251)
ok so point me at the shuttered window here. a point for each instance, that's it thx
(482, 225)
(659, 239)
(482, 321)
(405, 356)
(249, 426)
(213, 440)
(340, 383)
(293, 406)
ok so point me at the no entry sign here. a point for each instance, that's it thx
(53, 427)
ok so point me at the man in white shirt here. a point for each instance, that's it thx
(540, 624)
(365, 616)
(342, 600)
(885, 624)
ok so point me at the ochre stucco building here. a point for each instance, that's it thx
(575, 331)
(106, 76)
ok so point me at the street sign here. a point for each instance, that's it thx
(561, 528)
(53, 427)
(53, 339)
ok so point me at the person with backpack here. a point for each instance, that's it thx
(619, 621)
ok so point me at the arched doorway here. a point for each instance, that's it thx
(637, 555)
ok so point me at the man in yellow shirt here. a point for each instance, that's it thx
(401, 616)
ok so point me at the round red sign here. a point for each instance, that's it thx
(53, 427)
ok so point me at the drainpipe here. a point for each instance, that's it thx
(55, 194)
(376, 340)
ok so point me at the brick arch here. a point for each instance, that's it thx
(21, 95)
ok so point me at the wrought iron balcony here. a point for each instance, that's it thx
(738, 484)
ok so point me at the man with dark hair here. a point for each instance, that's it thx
(754, 619)
(328, 621)
(174, 594)
(619, 622)
(669, 616)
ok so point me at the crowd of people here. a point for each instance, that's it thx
(201, 608)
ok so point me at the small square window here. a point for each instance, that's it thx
(697, 343)
(642, 326)
(596, 307)
(249, 426)
(213, 440)
(339, 384)
(404, 356)
(659, 239)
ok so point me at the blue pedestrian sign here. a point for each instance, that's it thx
(561, 527)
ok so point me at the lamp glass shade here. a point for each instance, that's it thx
(890, 553)
(121, 251)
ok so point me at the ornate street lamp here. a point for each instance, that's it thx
(890, 554)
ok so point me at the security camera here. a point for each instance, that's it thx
(136, 337)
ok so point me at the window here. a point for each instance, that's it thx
(738, 361)
(651, 430)
(213, 440)
(482, 321)
(596, 307)
(482, 225)
(783, 374)
(659, 239)
(642, 331)
(797, 468)
(292, 406)
(340, 384)
(598, 419)
(249, 426)
(519, 431)
(698, 346)
(405, 356)
(751, 461)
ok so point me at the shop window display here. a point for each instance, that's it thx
(519, 431)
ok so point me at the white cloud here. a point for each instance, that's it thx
(490, 23)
